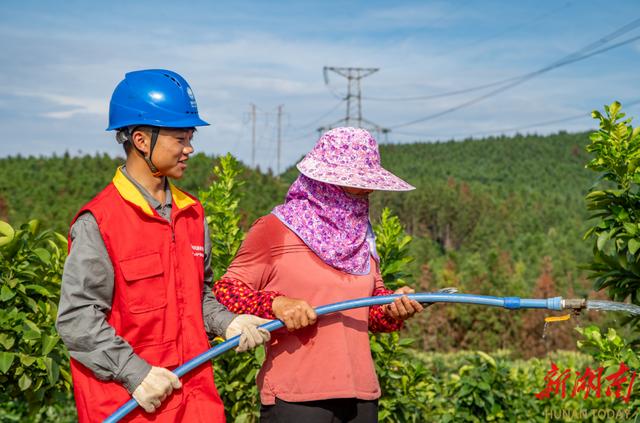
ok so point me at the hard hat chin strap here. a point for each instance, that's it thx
(147, 158)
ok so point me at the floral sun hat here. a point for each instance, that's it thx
(350, 157)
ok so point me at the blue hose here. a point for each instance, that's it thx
(511, 303)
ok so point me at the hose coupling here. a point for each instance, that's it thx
(575, 304)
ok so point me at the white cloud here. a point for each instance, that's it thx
(72, 105)
(71, 75)
(402, 16)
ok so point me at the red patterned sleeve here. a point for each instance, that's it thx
(379, 320)
(240, 299)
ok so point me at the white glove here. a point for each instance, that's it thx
(246, 325)
(155, 388)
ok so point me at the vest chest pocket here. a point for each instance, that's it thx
(145, 289)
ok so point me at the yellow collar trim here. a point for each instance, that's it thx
(180, 199)
(129, 192)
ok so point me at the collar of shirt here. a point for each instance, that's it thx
(163, 210)
(371, 240)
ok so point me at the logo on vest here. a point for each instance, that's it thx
(197, 250)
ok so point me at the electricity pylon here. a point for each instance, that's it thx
(353, 98)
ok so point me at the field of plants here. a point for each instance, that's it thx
(500, 216)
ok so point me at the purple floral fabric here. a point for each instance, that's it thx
(350, 157)
(333, 224)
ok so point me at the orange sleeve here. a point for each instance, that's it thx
(241, 288)
(252, 264)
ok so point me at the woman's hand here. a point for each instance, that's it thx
(296, 314)
(403, 308)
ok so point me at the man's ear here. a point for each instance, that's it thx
(141, 141)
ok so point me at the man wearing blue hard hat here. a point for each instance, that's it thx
(136, 299)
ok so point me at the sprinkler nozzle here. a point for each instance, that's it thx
(576, 304)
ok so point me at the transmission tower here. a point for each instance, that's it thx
(353, 98)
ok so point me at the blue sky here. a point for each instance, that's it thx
(61, 61)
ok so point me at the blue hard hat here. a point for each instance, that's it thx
(154, 97)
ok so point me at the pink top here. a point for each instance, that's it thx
(331, 359)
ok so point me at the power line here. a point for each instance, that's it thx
(550, 122)
(390, 42)
(517, 27)
(324, 115)
(445, 94)
(299, 135)
(527, 126)
(303, 137)
(607, 38)
(568, 60)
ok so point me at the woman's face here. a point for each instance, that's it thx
(357, 192)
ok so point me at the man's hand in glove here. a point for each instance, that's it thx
(155, 388)
(246, 325)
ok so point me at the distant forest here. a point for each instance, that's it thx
(497, 216)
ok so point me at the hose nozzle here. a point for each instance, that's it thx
(576, 304)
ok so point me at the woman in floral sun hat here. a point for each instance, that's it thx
(317, 248)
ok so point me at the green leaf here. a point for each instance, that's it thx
(6, 341)
(30, 335)
(376, 348)
(406, 342)
(6, 359)
(29, 325)
(6, 293)
(48, 342)
(602, 239)
(259, 354)
(61, 239)
(43, 255)
(7, 233)
(25, 382)
(53, 370)
(631, 228)
(486, 357)
(39, 290)
(633, 246)
(595, 195)
(27, 360)
(33, 226)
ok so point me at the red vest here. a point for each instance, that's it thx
(157, 302)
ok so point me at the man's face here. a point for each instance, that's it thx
(172, 151)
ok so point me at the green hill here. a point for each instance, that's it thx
(52, 189)
(522, 194)
(498, 216)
